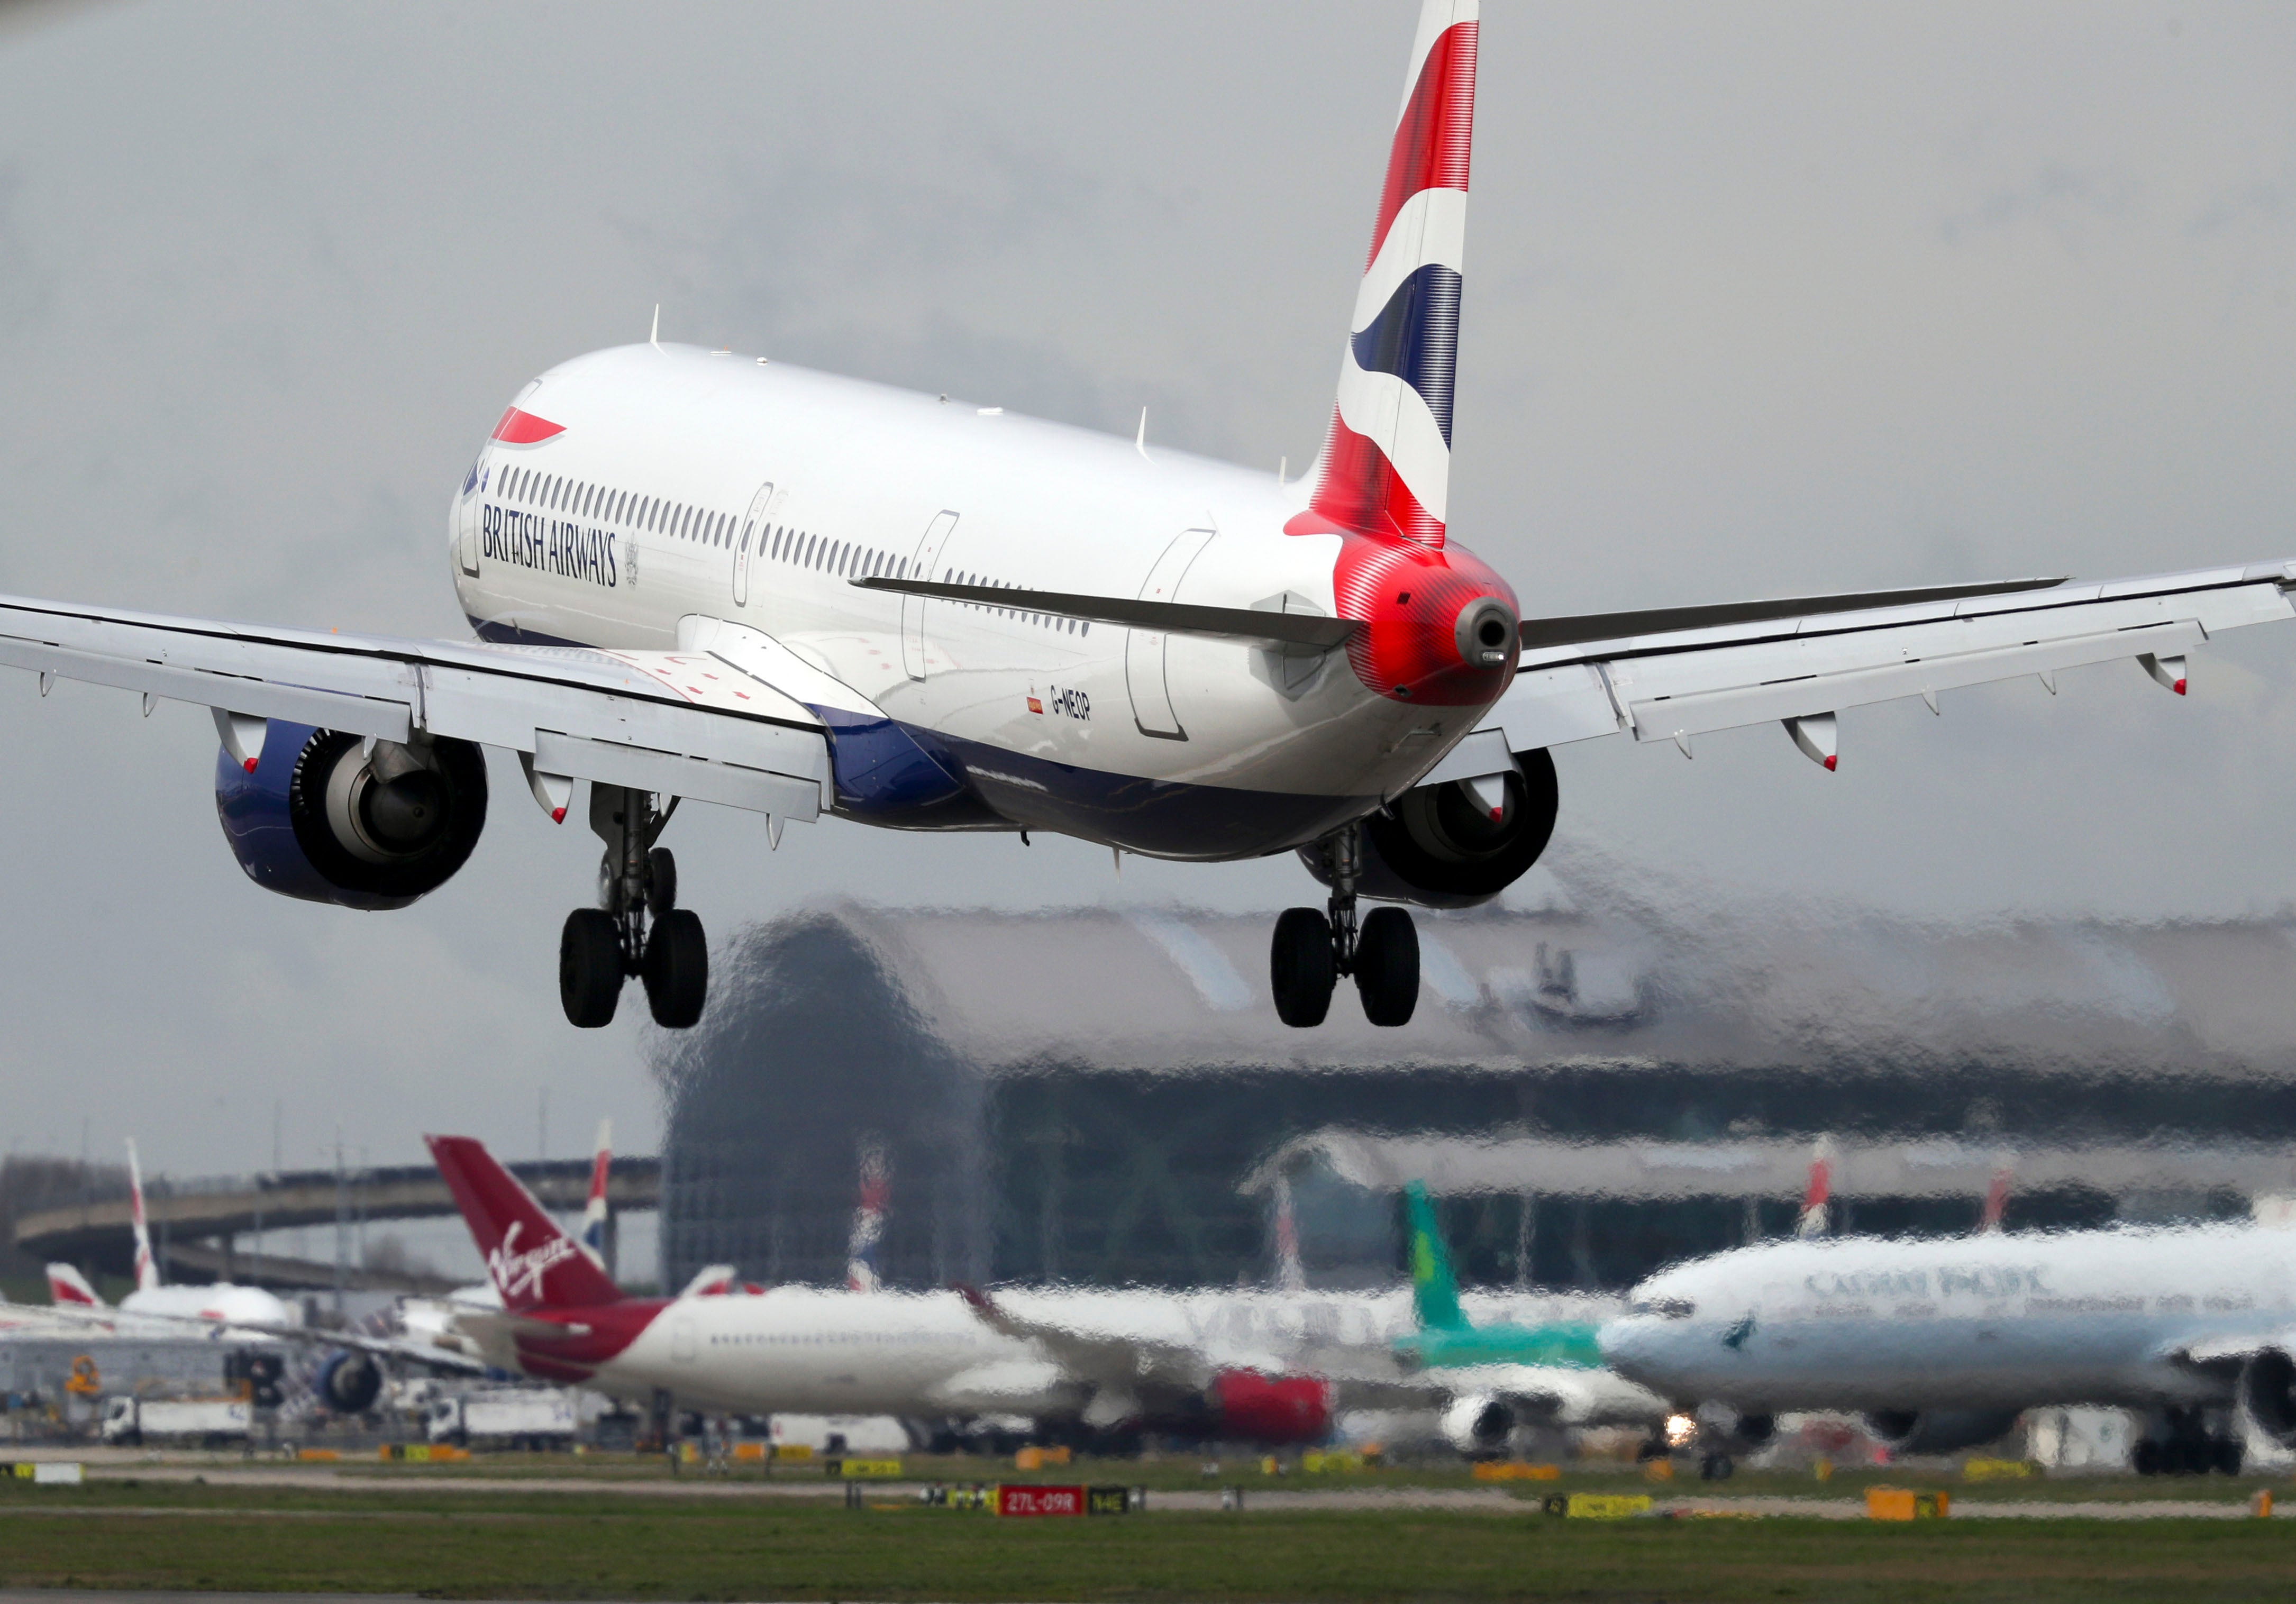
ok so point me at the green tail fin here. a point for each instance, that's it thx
(1434, 1289)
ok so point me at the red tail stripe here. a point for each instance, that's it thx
(1432, 139)
(1360, 491)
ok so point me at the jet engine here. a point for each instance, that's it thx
(331, 818)
(2267, 1395)
(350, 1382)
(1938, 1430)
(1443, 846)
(1250, 1407)
(1478, 1425)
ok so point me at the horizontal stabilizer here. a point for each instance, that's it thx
(1538, 633)
(1175, 617)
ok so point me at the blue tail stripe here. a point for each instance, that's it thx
(1415, 337)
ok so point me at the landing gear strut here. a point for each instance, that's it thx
(637, 927)
(1314, 947)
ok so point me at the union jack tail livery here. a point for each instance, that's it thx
(868, 1220)
(69, 1288)
(594, 1212)
(1813, 1220)
(532, 1263)
(1997, 1200)
(147, 1268)
(1387, 464)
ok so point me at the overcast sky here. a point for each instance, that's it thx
(1759, 300)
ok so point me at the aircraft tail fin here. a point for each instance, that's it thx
(868, 1233)
(1997, 1200)
(1290, 1274)
(1814, 1198)
(1386, 464)
(66, 1285)
(1434, 1287)
(531, 1262)
(594, 1211)
(147, 1268)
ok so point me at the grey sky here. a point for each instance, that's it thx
(1759, 300)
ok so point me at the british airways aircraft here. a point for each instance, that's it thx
(703, 575)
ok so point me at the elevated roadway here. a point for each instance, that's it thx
(193, 1225)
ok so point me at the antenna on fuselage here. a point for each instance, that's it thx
(1140, 440)
(653, 337)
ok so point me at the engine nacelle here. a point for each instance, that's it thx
(2267, 1395)
(350, 1382)
(1938, 1430)
(1250, 1407)
(1478, 1425)
(1439, 847)
(331, 818)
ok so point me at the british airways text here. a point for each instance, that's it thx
(553, 545)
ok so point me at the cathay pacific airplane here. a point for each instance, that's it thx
(705, 574)
(1941, 1343)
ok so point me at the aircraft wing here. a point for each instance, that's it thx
(724, 719)
(381, 1347)
(1681, 673)
(1114, 1363)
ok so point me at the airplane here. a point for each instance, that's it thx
(695, 574)
(231, 1313)
(349, 1378)
(1216, 1365)
(1940, 1343)
(1502, 1375)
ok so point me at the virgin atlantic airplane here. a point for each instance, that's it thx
(702, 575)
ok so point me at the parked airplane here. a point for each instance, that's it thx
(1941, 1343)
(234, 1311)
(349, 1378)
(696, 575)
(595, 1209)
(1503, 1376)
(1234, 1365)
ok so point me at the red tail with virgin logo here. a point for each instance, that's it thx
(531, 1262)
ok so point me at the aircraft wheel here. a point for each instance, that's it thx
(677, 969)
(1387, 966)
(2147, 1460)
(662, 883)
(1301, 970)
(589, 968)
(2229, 1453)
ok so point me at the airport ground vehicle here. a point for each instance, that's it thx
(128, 1421)
(522, 1417)
(701, 574)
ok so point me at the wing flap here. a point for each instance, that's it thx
(1669, 686)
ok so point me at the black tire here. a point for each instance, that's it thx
(589, 969)
(1300, 970)
(2147, 1460)
(662, 883)
(1387, 966)
(677, 969)
(2229, 1454)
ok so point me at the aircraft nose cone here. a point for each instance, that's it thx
(1485, 633)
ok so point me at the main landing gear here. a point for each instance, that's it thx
(637, 927)
(1314, 947)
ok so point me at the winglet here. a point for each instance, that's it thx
(147, 1268)
(1434, 1287)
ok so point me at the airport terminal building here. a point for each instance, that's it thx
(1106, 1097)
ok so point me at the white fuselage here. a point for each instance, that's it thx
(1993, 1321)
(690, 485)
